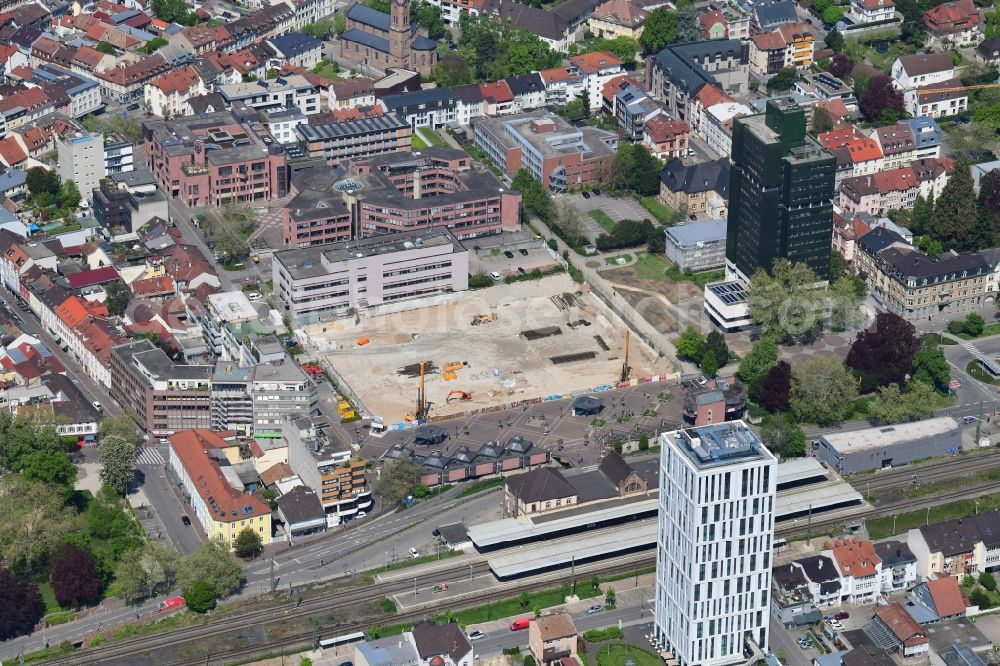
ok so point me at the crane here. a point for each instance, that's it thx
(977, 86)
(626, 368)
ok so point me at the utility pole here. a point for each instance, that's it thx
(809, 526)
(979, 423)
(272, 574)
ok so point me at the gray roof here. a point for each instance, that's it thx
(540, 485)
(548, 25)
(776, 13)
(301, 504)
(700, 177)
(437, 639)
(894, 552)
(368, 16)
(687, 235)
(388, 651)
(292, 44)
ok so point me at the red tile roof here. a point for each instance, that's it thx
(899, 622)
(92, 277)
(11, 151)
(835, 107)
(622, 12)
(855, 558)
(179, 80)
(592, 63)
(875, 4)
(662, 129)
(156, 286)
(708, 95)
(556, 74)
(496, 92)
(947, 596)
(952, 17)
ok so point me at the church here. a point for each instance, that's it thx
(380, 40)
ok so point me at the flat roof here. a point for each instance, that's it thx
(233, 306)
(698, 232)
(799, 469)
(718, 444)
(585, 547)
(506, 530)
(815, 497)
(873, 438)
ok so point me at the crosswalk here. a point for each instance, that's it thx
(149, 456)
(989, 363)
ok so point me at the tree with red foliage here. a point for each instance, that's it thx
(881, 99)
(74, 576)
(841, 65)
(776, 388)
(21, 605)
(883, 354)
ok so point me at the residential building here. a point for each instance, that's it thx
(892, 446)
(781, 187)
(666, 139)
(713, 573)
(872, 11)
(907, 282)
(897, 143)
(879, 193)
(119, 155)
(768, 16)
(953, 24)
(281, 124)
(298, 49)
(692, 188)
(675, 74)
(717, 400)
(352, 93)
(922, 69)
(126, 84)
(232, 396)
(326, 281)
(280, 391)
(129, 201)
(927, 133)
(81, 159)
(331, 471)
(941, 597)
(713, 24)
(856, 154)
(846, 232)
(497, 98)
(441, 644)
(595, 69)
(860, 570)
(938, 100)
(561, 86)
(958, 547)
(339, 141)
(274, 94)
(826, 87)
(617, 18)
(717, 126)
(899, 566)
(213, 488)
(698, 246)
(537, 491)
(378, 40)
(162, 396)
(788, 45)
(528, 91)
(704, 98)
(166, 95)
(434, 107)
(551, 26)
(988, 51)
(212, 159)
(469, 103)
(552, 638)
(893, 627)
(553, 151)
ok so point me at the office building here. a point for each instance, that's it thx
(129, 200)
(781, 193)
(280, 390)
(329, 469)
(81, 159)
(326, 281)
(699, 246)
(713, 571)
(356, 139)
(164, 397)
(232, 398)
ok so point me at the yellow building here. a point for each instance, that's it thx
(617, 18)
(199, 463)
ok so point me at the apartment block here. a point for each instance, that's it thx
(354, 139)
(81, 159)
(280, 391)
(274, 94)
(328, 469)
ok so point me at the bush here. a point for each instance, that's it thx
(200, 597)
(529, 661)
(599, 635)
(480, 281)
(980, 598)
(956, 327)
(643, 443)
(973, 325)
(629, 233)
(987, 581)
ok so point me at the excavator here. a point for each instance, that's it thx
(458, 395)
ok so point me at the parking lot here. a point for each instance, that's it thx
(525, 258)
(624, 208)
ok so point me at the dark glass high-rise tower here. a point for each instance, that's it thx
(780, 193)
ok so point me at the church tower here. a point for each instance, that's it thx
(399, 33)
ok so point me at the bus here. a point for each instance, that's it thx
(346, 639)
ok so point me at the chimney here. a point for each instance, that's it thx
(416, 185)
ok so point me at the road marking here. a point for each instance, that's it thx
(150, 457)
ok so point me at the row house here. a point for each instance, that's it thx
(629, 104)
(82, 328)
(271, 21)
(880, 192)
(167, 96)
(528, 91)
(25, 106)
(789, 45)
(899, 566)
(857, 154)
(469, 103)
(704, 98)
(897, 143)
(927, 134)
(433, 108)
(717, 125)
(274, 94)
(922, 69)
(846, 232)
(957, 547)
(952, 25)
(351, 93)
(678, 72)
(726, 22)
(308, 12)
(297, 49)
(201, 38)
(127, 83)
(561, 85)
(666, 139)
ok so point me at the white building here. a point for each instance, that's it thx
(282, 123)
(922, 69)
(81, 159)
(167, 95)
(273, 94)
(595, 69)
(716, 525)
(718, 125)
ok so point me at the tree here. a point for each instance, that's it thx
(776, 387)
(643, 443)
(143, 571)
(211, 563)
(955, 211)
(21, 603)
(973, 325)
(117, 456)
(783, 436)
(609, 596)
(248, 543)
(154, 44)
(595, 582)
(535, 199)
(841, 65)
(783, 80)
(659, 30)
(524, 600)
(931, 367)
(74, 577)
(53, 468)
(716, 342)
(118, 426)
(688, 26)
(833, 14)
(40, 180)
(987, 580)
(835, 40)
(922, 214)
(635, 169)
(823, 390)
(323, 28)
(398, 478)
(980, 598)
(883, 354)
(785, 303)
(117, 299)
(452, 70)
(174, 11)
(33, 522)
(893, 405)
(106, 47)
(709, 365)
(757, 362)
(881, 96)
(822, 121)
(690, 345)
(200, 597)
(989, 198)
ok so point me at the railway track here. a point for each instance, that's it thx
(880, 481)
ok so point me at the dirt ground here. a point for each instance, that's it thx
(499, 364)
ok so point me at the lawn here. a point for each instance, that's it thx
(417, 143)
(481, 486)
(431, 137)
(665, 216)
(880, 528)
(988, 330)
(937, 338)
(513, 606)
(615, 655)
(613, 261)
(656, 267)
(976, 371)
(327, 70)
(604, 220)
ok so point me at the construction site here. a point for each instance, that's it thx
(481, 350)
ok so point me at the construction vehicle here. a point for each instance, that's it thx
(458, 395)
(420, 413)
(626, 369)
(484, 318)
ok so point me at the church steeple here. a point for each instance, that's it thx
(399, 32)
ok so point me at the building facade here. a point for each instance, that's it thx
(81, 159)
(355, 139)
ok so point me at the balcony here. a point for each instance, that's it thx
(194, 169)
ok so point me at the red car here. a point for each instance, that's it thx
(842, 615)
(519, 624)
(171, 604)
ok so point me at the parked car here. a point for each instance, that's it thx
(520, 623)
(842, 615)
(521, 271)
(508, 254)
(596, 192)
(596, 608)
(524, 253)
(476, 635)
(969, 419)
(436, 532)
(413, 552)
(496, 276)
(586, 195)
(134, 106)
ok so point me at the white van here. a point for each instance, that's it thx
(495, 276)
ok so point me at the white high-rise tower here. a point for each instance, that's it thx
(713, 566)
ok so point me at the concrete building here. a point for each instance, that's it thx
(213, 487)
(119, 155)
(327, 281)
(274, 94)
(713, 573)
(229, 307)
(889, 446)
(232, 398)
(433, 107)
(700, 189)
(81, 159)
(788, 45)
(330, 471)
(129, 200)
(214, 158)
(553, 151)
(280, 391)
(298, 49)
(698, 246)
(356, 139)
(162, 396)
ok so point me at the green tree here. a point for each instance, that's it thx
(117, 456)
(595, 582)
(248, 543)
(757, 362)
(833, 14)
(822, 121)
(659, 30)
(106, 47)
(33, 522)
(973, 325)
(783, 80)
(716, 342)
(688, 26)
(535, 199)
(709, 365)
(785, 303)
(835, 41)
(980, 598)
(200, 597)
(211, 563)
(823, 390)
(40, 180)
(931, 367)
(324, 28)
(690, 345)
(524, 600)
(892, 405)
(636, 169)
(53, 468)
(452, 70)
(955, 212)
(118, 426)
(174, 11)
(154, 44)
(609, 596)
(118, 298)
(922, 214)
(143, 571)
(643, 443)
(987, 580)
(783, 436)
(398, 479)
